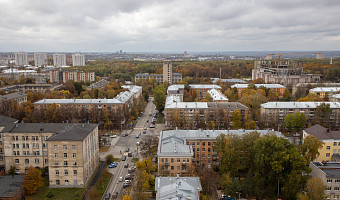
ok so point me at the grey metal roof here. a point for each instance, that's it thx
(148, 75)
(227, 105)
(258, 85)
(325, 89)
(231, 80)
(79, 101)
(330, 169)
(76, 132)
(301, 105)
(12, 96)
(217, 95)
(336, 96)
(323, 133)
(11, 186)
(4, 119)
(174, 146)
(188, 105)
(176, 188)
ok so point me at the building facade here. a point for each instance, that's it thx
(19, 97)
(275, 112)
(167, 72)
(59, 59)
(78, 59)
(279, 89)
(200, 89)
(21, 58)
(40, 59)
(42, 88)
(61, 76)
(325, 92)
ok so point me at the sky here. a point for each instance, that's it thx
(169, 25)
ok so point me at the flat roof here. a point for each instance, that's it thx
(12, 96)
(11, 186)
(300, 105)
(258, 85)
(330, 169)
(325, 89)
(217, 95)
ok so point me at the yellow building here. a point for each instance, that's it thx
(331, 141)
(325, 92)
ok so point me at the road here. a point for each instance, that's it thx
(119, 145)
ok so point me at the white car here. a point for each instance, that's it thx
(113, 136)
(120, 179)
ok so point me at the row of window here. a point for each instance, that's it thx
(65, 172)
(26, 138)
(172, 160)
(26, 153)
(56, 163)
(331, 180)
(198, 143)
(64, 147)
(335, 188)
(74, 155)
(27, 146)
(27, 161)
(203, 149)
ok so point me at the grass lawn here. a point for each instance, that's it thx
(160, 119)
(135, 160)
(103, 180)
(104, 148)
(56, 193)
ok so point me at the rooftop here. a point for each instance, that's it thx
(12, 96)
(77, 132)
(258, 85)
(336, 96)
(330, 169)
(231, 80)
(174, 146)
(11, 186)
(175, 188)
(193, 105)
(301, 105)
(217, 95)
(322, 133)
(79, 101)
(325, 89)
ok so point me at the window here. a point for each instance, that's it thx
(208, 149)
(13, 146)
(46, 160)
(178, 168)
(27, 145)
(23, 138)
(74, 163)
(328, 155)
(74, 172)
(56, 163)
(329, 188)
(55, 147)
(1, 157)
(198, 143)
(172, 167)
(57, 172)
(18, 153)
(162, 159)
(172, 160)
(187, 159)
(13, 138)
(334, 151)
(337, 180)
(198, 149)
(73, 147)
(74, 155)
(16, 138)
(203, 143)
(16, 161)
(328, 147)
(37, 161)
(66, 172)
(14, 153)
(26, 138)
(203, 155)
(27, 161)
(65, 163)
(28, 153)
(203, 150)
(178, 160)
(329, 180)
(198, 155)
(209, 143)
(335, 143)
(65, 155)
(57, 182)
(336, 188)
(193, 143)
(17, 171)
(56, 155)
(36, 138)
(64, 147)
(33, 138)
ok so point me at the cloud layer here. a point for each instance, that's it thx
(172, 25)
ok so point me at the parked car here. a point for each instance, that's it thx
(124, 158)
(127, 149)
(113, 165)
(125, 185)
(128, 177)
(126, 165)
(130, 154)
(107, 196)
(152, 126)
(127, 182)
(137, 136)
(144, 132)
(145, 128)
(115, 195)
(120, 179)
(113, 136)
(124, 135)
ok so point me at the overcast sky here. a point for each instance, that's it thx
(169, 25)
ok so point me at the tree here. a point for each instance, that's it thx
(315, 189)
(287, 96)
(310, 148)
(109, 159)
(11, 171)
(310, 97)
(250, 125)
(159, 97)
(236, 119)
(323, 113)
(300, 121)
(33, 180)
(127, 197)
(147, 165)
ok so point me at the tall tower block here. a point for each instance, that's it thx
(167, 72)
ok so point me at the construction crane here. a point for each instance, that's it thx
(269, 56)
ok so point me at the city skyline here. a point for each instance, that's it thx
(172, 26)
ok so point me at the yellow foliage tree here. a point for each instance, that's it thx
(127, 197)
(146, 164)
(33, 180)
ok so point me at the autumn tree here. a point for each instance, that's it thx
(315, 189)
(147, 165)
(236, 119)
(33, 180)
(310, 97)
(323, 113)
(310, 148)
(127, 197)
(159, 97)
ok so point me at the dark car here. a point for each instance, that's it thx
(123, 158)
(115, 195)
(126, 165)
(107, 196)
(125, 185)
(127, 149)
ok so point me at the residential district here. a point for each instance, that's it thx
(175, 127)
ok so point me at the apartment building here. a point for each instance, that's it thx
(19, 97)
(27, 145)
(228, 81)
(335, 98)
(331, 140)
(59, 59)
(280, 89)
(61, 76)
(40, 59)
(199, 89)
(178, 188)
(302, 89)
(78, 59)
(21, 58)
(73, 155)
(325, 92)
(217, 96)
(192, 114)
(42, 88)
(179, 150)
(167, 75)
(274, 112)
(329, 173)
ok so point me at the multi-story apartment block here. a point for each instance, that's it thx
(179, 151)
(167, 75)
(42, 88)
(178, 188)
(195, 114)
(329, 173)
(325, 92)
(59, 59)
(199, 89)
(335, 98)
(331, 140)
(282, 72)
(280, 89)
(61, 76)
(40, 59)
(27, 145)
(21, 58)
(73, 155)
(19, 97)
(78, 59)
(217, 96)
(274, 112)
(228, 81)
(302, 89)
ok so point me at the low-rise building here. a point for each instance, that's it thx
(335, 98)
(274, 112)
(217, 96)
(19, 97)
(12, 188)
(329, 173)
(99, 84)
(228, 81)
(174, 188)
(325, 92)
(280, 89)
(331, 140)
(42, 88)
(199, 89)
(180, 150)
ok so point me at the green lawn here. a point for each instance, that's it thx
(103, 180)
(56, 193)
(135, 160)
(160, 118)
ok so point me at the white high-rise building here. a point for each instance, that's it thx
(59, 59)
(78, 59)
(21, 58)
(40, 59)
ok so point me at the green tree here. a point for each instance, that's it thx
(236, 119)
(300, 121)
(11, 171)
(289, 121)
(310, 148)
(315, 189)
(323, 113)
(159, 97)
(109, 159)
(287, 96)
